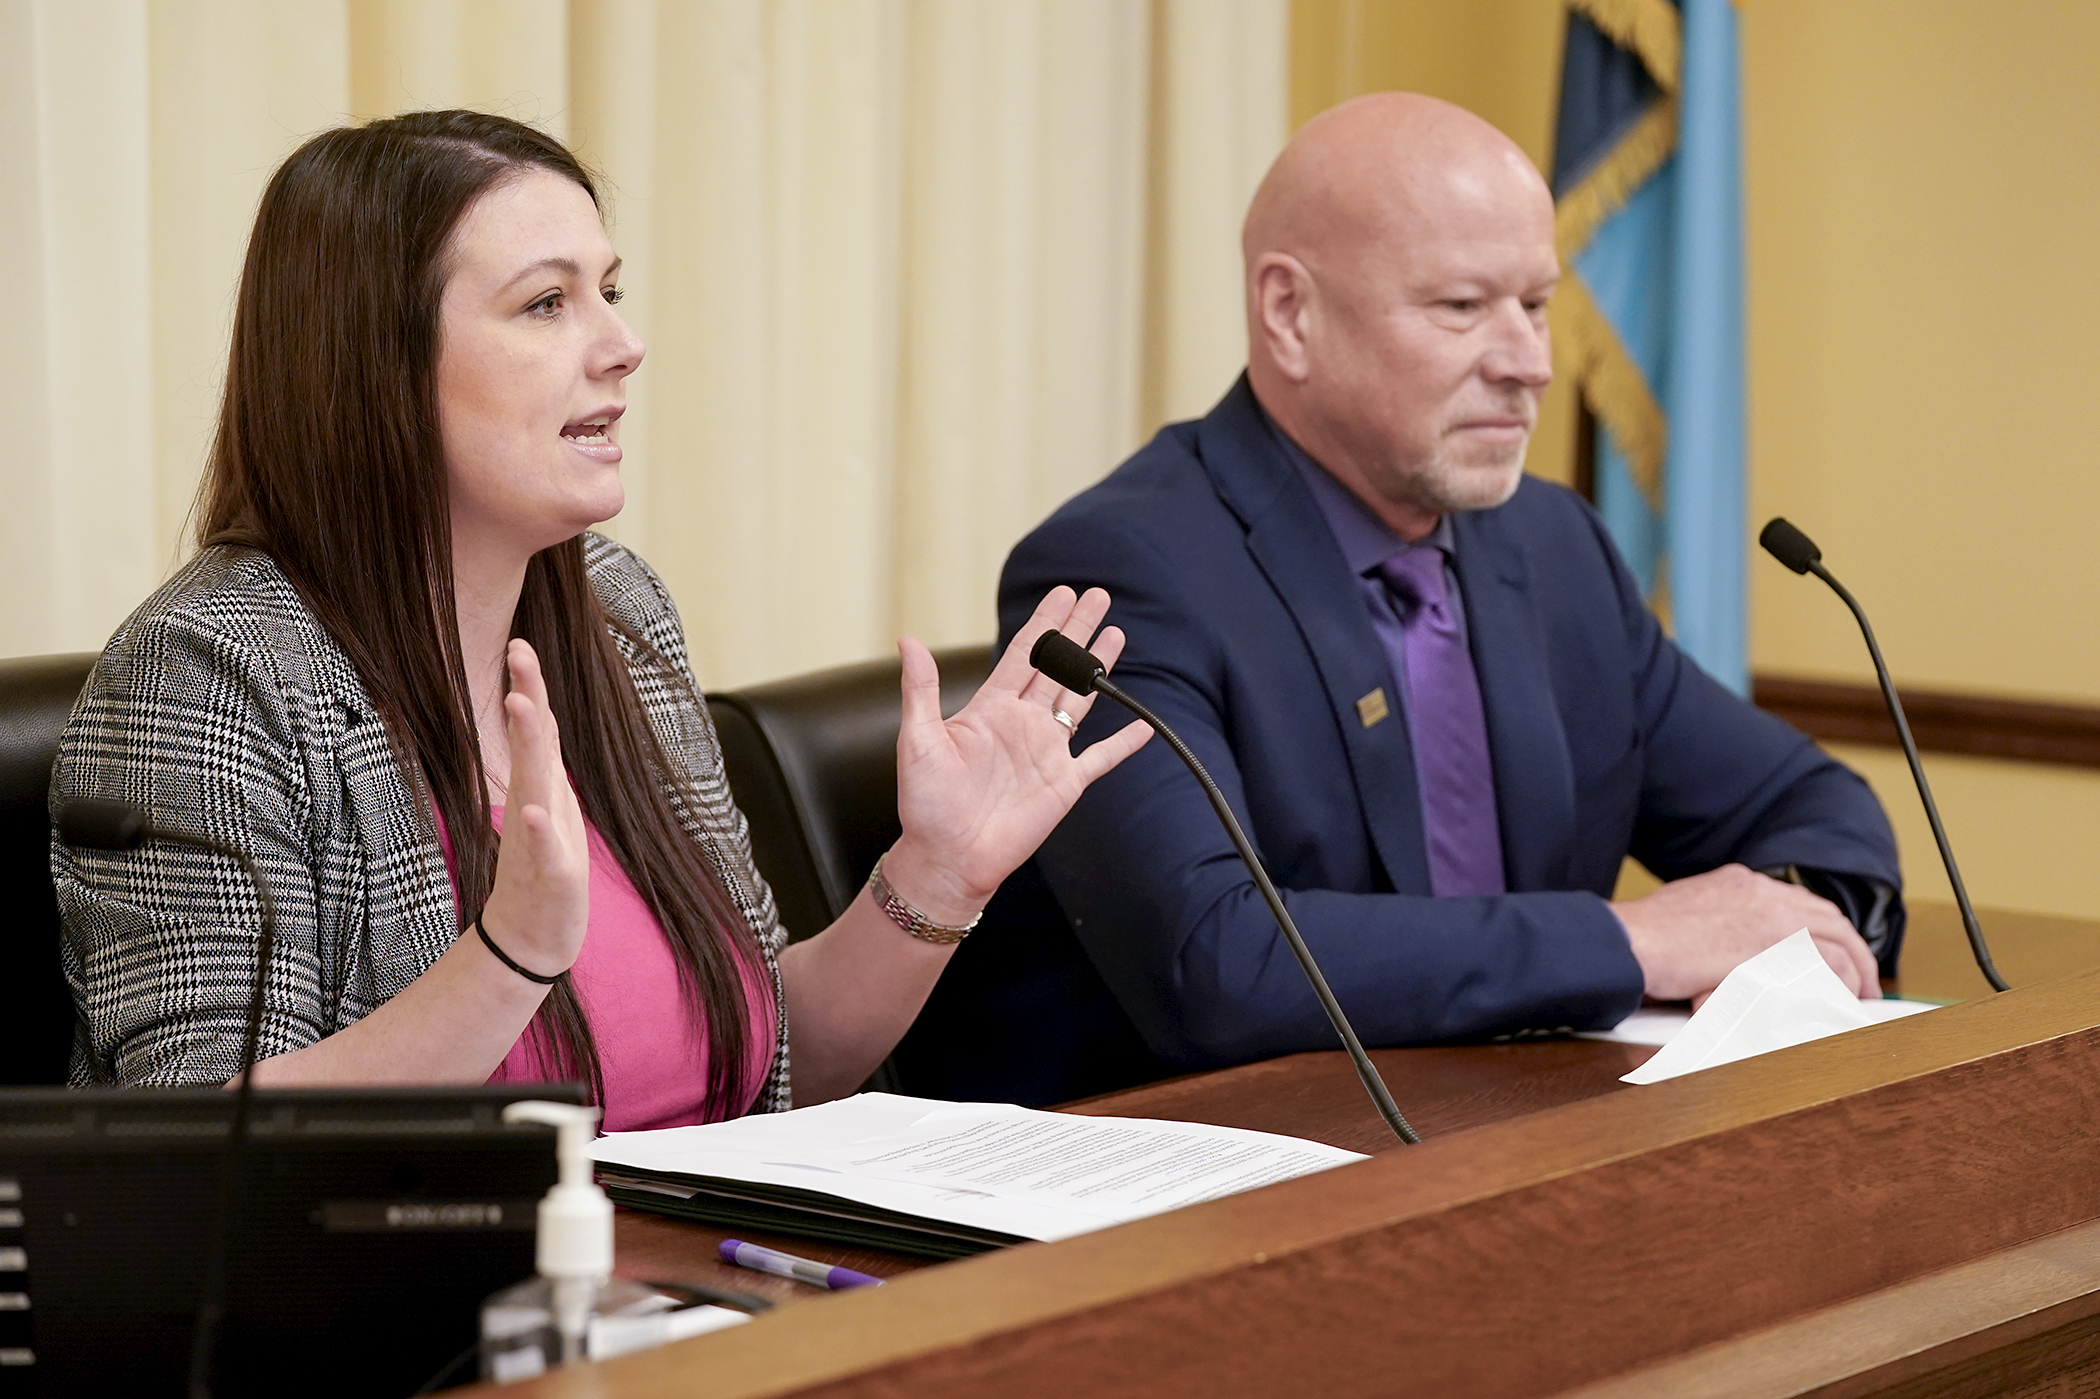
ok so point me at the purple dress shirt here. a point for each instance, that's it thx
(1411, 594)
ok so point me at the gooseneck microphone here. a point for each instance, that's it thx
(92, 823)
(1798, 552)
(1080, 671)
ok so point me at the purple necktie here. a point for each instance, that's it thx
(1449, 729)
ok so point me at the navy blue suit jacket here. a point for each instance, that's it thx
(1248, 636)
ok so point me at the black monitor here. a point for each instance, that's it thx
(368, 1226)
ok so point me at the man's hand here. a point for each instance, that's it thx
(1690, 933)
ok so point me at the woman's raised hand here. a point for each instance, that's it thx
(978, 793)
(541, 902)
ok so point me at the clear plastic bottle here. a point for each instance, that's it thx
(575, 1309)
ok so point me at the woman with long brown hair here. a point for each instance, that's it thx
(456, 731)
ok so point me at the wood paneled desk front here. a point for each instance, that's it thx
(1911, 1209)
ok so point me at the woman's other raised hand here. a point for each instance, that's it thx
(540, 905)
(977, 793)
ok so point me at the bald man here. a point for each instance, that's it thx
(1425, 681)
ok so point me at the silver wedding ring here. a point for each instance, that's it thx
(1063, 718)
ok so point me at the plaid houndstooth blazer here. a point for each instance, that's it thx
(223, 707)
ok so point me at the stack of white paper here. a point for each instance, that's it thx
(991, 1166)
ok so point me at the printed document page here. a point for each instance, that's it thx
(1040, 1175)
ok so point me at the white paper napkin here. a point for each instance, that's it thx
(1785, 995)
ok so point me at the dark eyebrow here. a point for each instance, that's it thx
(566, 266)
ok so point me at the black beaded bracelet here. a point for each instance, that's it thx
(504, 958)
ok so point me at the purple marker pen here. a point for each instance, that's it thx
(787, 1265)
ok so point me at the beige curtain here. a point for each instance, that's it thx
(911, 271)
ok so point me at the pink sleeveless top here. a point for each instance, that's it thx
(651, 1044)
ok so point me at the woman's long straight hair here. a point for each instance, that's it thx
(328, 458)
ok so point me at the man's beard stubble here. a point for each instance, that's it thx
(1451, 486)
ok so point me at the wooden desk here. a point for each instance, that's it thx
(1442, 1090)
(1912, 1209)
(1304, 1095)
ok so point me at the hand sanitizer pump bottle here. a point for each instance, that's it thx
(574, 1308)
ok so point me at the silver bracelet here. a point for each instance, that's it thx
(909, 918)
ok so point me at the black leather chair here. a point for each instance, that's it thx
(812, 762)
(36, 1009)
(1020, 1015)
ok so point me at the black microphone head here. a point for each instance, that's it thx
(94, 823)
(1067, 662)
(1789, 545)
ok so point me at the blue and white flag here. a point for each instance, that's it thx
(1647, 185)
